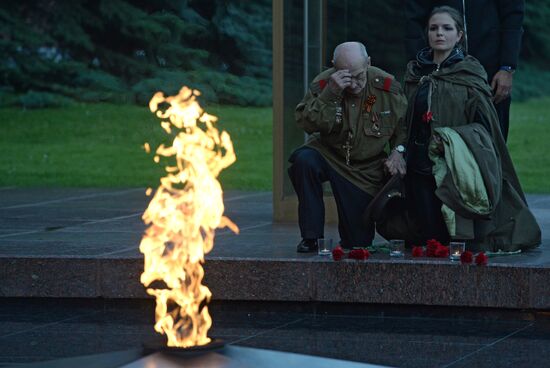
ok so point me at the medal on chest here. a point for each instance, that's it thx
(347, 148)
(367, 108)
(369, 103)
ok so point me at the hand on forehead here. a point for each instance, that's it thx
(353, 68)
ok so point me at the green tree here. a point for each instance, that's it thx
(122, 50)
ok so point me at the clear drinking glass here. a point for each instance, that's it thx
(455, 250)
(397, 248)
(325, 247)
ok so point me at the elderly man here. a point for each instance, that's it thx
(354, 114)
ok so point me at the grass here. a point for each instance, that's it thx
(528, 142)
(99, 145)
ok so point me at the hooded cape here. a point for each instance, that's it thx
(461, 95)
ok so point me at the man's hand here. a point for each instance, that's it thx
(339, 81)
(501, 85)
(395, 164)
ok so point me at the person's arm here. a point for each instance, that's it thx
(395, 164)
(417, 12)
(400, 134)
(319, 112)
(511, 14)
(321, 109)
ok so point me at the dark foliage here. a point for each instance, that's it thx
(125, 50)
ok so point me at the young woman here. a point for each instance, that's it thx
(446, 89)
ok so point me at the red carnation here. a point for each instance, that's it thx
(482, 259)
(417, 251)
(442, 251)
(431, 247)
(466, 257)
(427, 116)
(355, 254)
(337, 253)
(359, 254)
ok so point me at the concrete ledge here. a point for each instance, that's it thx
(419, 282)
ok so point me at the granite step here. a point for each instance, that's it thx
(84, 243)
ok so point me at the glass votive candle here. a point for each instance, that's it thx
(325, 247)
(397, 248)
(455, 250)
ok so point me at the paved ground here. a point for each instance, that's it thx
(40, 329)
(107, 223)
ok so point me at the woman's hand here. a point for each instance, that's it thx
(439, 144)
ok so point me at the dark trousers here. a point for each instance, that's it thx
(425, 208)
(503, 112)
(308, 172)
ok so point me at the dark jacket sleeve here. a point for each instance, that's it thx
(511, 14)
(417, 12)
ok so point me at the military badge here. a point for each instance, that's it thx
(317, 87)
(387, 84)
(369, 103)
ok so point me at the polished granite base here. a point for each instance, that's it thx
(84, 243)
(228, 357)
(36, 330)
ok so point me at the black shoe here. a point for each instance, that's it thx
(307, 246)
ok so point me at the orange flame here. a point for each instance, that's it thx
(182, 217)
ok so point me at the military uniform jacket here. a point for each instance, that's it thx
(366, 127)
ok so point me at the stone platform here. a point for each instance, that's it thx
(84, 243)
